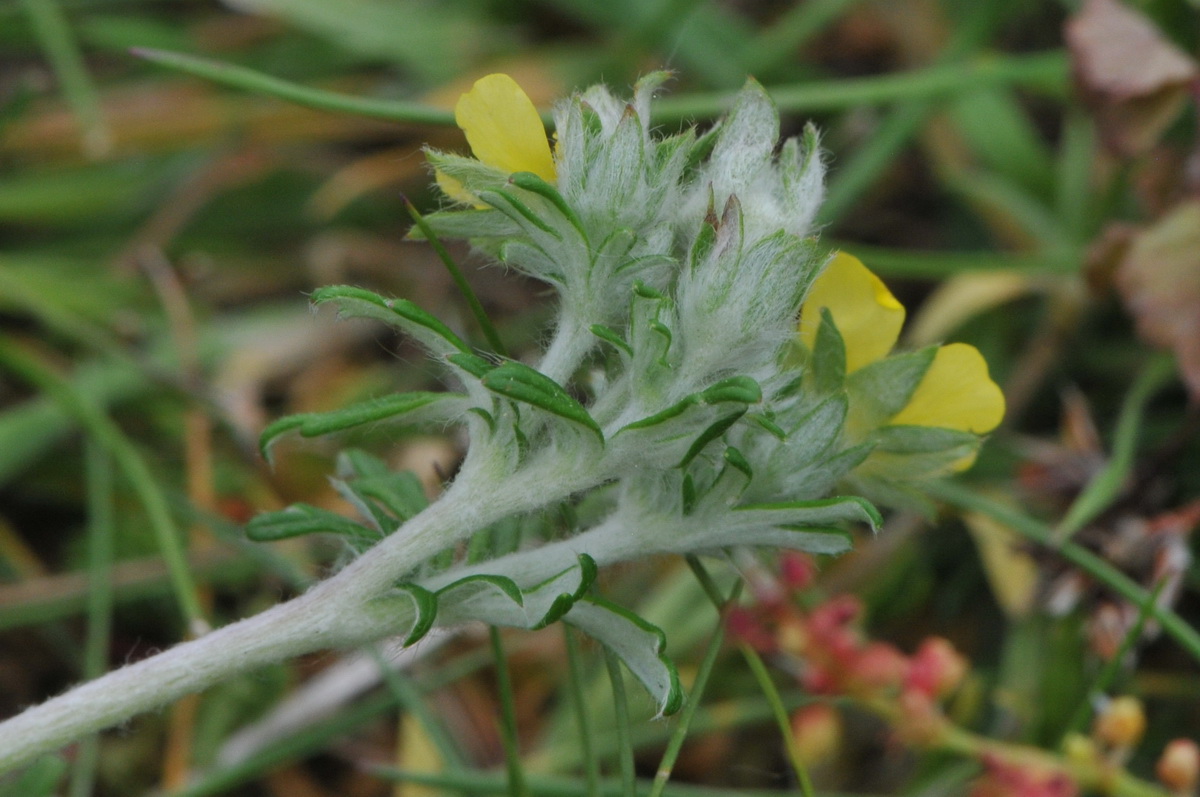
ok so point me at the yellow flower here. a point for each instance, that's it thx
(955, 393)
(504, 131)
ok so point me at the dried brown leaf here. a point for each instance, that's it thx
(1159, 280)
(1134, 80)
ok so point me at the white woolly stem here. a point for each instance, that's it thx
(571, 343)
(283, 631)
(335, 613)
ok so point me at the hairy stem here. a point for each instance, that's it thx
(339, 612)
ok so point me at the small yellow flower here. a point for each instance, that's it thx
(504, 131)
(955, 393)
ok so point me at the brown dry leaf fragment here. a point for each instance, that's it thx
(1159, 281)
(1135, 80)
(1105, 254)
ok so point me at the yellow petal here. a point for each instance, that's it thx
(955, 393)
(503, 128)
(866, 313)
(453, 188)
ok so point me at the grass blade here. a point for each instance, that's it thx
(100, 599)
(964, 498)
(239, 77)
(62, 50)
(108, 435)
(1107, 485)
(508, 718)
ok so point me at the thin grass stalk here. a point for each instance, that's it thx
(132, 465)
(1107, 485)
(792, 31)
(508, 717)
(1046, 71)
(460, 281)
(54, 34)
(1108, 674)
(621, 715)
(575, 678)
(1032, 529)
(667, 764)
(779, 712)
(411, 700)
(100, 502)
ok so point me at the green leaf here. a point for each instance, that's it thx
(767, 424)
(920, 439)
(474, 223)
(484, 583)
(498, 600)
(828, 360)
(609, 335)
(472, 364)
(563, 601)
(664, 333)
(500, 198)
(646, 292)
(705, 239)
(1000, 134)
(426, 329)
(519, 382)
(409, 599)
(640, 645)
(670, 436)
(816, 477)
(387, 497)
(735, 459)
(821, 512)
(529, 181)
(816, 431)
(881, 389)
(411, 408)
(300, 519)
(813, 526)
(714, 431)
(737, 389)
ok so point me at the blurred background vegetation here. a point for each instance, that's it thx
(1024, 174)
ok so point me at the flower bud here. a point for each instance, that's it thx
(1179, 766)
(920, 723)
(878, 667)
(817, 731)
(936, 668)
(747, 627)
(792, 636)
(1121, 723)
(1080, 749)
(796, 570)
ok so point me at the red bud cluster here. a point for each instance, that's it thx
(835, 657)
(1003, 778)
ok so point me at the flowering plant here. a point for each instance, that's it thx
(676, 405)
